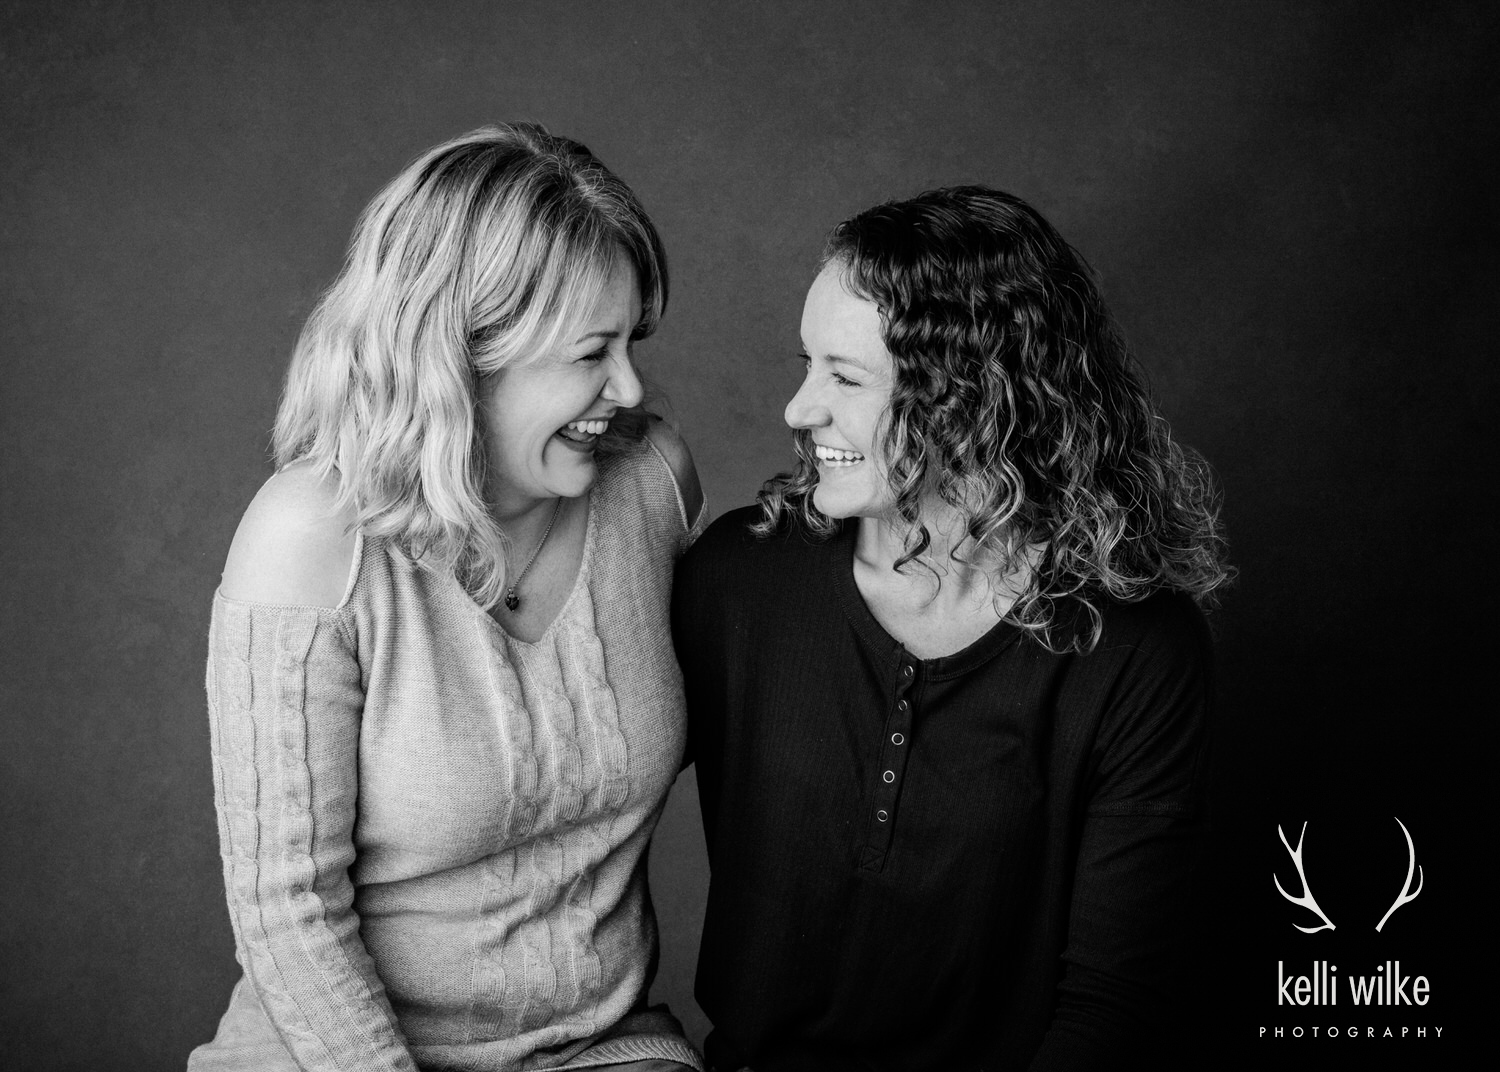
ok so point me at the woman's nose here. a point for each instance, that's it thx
(804, 410)
(624, 386)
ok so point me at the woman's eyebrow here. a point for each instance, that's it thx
(840, 359)
(602, 333)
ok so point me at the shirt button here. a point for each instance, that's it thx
(898, 738)
(907, 672)
(889, 776)
(882, 815)
(903, 707)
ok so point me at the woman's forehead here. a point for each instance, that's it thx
(839, 323)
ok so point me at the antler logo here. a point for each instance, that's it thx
(1306, 900)
(1407, 893)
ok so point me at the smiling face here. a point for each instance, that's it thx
(844, 399)
(545, 416)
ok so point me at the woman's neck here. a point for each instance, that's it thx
(951, 565)
(511, 507)
(943, 600)
(509, 512)
(524, 522)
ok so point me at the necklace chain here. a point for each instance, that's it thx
(512, 600)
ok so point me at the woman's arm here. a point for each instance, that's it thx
(1135, 888)
(285, 701)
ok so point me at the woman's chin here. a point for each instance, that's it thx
(570, 472)
(831, 504)
(580, 480)
(843, 503)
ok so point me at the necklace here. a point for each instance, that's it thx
(512, 600)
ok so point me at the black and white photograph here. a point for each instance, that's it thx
(747, 537)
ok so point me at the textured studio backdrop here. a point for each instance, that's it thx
(1293, 212)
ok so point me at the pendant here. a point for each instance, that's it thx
(512, 601)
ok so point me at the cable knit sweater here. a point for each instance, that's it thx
(434, 834)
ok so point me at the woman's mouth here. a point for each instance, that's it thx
(835, 458)
(582, 433)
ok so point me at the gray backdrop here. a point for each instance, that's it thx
(1292, 209)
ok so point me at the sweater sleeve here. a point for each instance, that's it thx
(285, 701)
(1135, 885)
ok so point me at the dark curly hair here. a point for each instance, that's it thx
(1017, 403)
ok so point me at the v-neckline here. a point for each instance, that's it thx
(585, 560)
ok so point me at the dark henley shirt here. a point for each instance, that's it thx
(979, 861)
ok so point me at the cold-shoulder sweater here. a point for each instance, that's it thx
(434, 834)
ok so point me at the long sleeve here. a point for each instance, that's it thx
(285, 703)
(1139, 858)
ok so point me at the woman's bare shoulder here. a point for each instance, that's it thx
(293, 547)
(670, 445)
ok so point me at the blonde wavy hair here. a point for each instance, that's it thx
(1017, 404)
(484, 252)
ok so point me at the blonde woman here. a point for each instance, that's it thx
(444, 706)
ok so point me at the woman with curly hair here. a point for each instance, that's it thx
(445, 712)
(947, 684)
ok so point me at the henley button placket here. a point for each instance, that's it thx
(890, 765)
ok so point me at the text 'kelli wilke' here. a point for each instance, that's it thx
(1387, 986)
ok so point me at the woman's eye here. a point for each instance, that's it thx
(838, 378)
(596, 356)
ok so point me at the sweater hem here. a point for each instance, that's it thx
(637, 1048)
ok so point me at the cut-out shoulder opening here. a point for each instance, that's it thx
(292, 547)
(674, 452)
